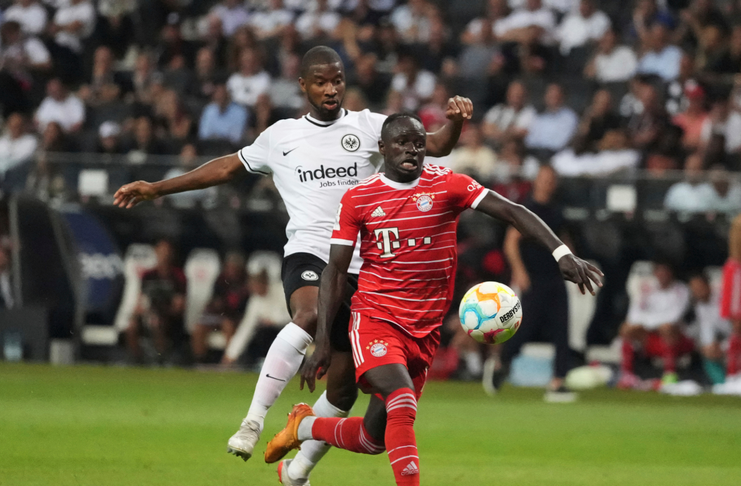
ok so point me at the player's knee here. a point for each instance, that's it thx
(343, 396)
(305, 319)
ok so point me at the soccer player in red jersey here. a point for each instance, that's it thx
(407, 221)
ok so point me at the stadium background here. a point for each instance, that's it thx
(143, 72)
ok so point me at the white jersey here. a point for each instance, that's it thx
(313, 163)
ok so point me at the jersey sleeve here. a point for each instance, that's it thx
(375, 121)
(347, 224)
(465, 192)
(255, 157)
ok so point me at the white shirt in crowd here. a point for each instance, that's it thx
(655, 306)
(562, 6)
(30, 49)
(522, 18)
(422, 89)
(576, 31)
(731, 130)
(32, 18)
(14, 152)
(82, 12)
(619, 65)
(568, 164)
(67, 113)
(712, 328)
(505, 116)
(313, 164)
(231, 18)
(246, 89)
(689, 198)
(265, 22)
(310, 22)
(410, 27)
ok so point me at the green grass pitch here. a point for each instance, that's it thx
(106, 426)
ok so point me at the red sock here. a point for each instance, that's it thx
(628, 352)
(401, 410)
(346, 433)
(734, 355)
(669, 355)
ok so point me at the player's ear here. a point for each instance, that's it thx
(381, 147)
(302, 84)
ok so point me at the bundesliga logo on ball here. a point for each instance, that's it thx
(490, 312)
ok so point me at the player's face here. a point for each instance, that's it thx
(403, 149)
(325, 88)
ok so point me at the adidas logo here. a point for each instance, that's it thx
(410, 470)
(378, 212)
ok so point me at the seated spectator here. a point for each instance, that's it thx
(374, 84)
(116, 25)
(612, 62)
(726, 195)
(17, 146)
(516, 26)
(270, 23)
(226, 307)
(285, 91)
(675, 95)
(101, 78)
(109, 139)
(30, 14)
(647, 126)
(514, 165)
(415, 85)
(481, 29)
(432, 114)
(713, 330)
(693, 195)
(654, 325)
(232, 15)
(205, 75)
(187, 161)
(144, 77)
(692, 119)
(695, 18)
(730, 62)
(73, 23)
(510, 119)
(471, 156)
(412, 21)
(143, 142)
(438, 54)
(250, 81)
(222, 119)
(354, 100)
(712, 51)
(582, 27)
(597, 120)
(160, 308)
(176, 126)
(730, 301)
(724, 123)
(660, 57)
(265, 316)
(24, 60)
(646, 14)
(552, 129)
(172, 49)
(318, 22)
(613, 155)
(60, 106)
(262, 116)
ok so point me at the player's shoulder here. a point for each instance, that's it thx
(436, 172)
(366, 184)
(367, 119)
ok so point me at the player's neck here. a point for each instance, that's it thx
(396, 182)
(327, 118)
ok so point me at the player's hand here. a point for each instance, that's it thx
(316, 367)
(130, 195)
(459, 109)
(582, 273)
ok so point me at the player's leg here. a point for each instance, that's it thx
(733, 357)
(198, 341)
(557, 327)
(132, 336)
(634, 336)
(670, 339)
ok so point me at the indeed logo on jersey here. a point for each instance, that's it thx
(322, 174)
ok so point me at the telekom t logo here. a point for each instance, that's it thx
(388, 240)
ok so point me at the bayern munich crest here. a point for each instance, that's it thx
(350, 142)
(377, 348)
(424, 201)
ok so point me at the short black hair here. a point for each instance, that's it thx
(397, 116)
(319, 55)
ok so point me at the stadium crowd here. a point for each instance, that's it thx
(592, 88)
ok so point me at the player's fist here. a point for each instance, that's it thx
(459, 109)
(130, 195)
(582, 273)
(315, 367)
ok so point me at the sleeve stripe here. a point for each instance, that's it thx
(247, 164)
(339, 241)
(479, 198)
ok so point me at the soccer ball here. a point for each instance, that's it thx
(490, 312)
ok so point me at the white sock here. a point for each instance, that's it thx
(473, 362)
(281, 364)
(312, 450)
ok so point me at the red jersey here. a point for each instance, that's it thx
(730, 299)
(408, 244)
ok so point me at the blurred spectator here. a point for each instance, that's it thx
(187, 161)
(541, 288)
(206, 75)
(676, 94)
(730, 303)
(412, 21)
(60, 106)
(694, 194)
(712, 50)
(143, 77)
(213, 39)
(433, 113)
(102, 77)
(143, 141)
(354, 100)
(415, 85)
(438, 54)
(597, 120)
(17, 146)
(514, 165)
(30, 14)
(23, 59)
(318, 22)
(481, 29)
(109, 139)
(646, 14)
(612, 62)
(285, 91)
(232, 15)
(375, 85)
(250, 81)
(582, 27)
(265, 315)
(72, 24)
(223, 119)
(695, 18)
(471, 156)
(613, 154)
(115, 27)
(726, 195)
(530, 20)
(653, 325)
(270, 23)
(646, 126)
(693, 118)
(723, 123)
(713, 330)
(173, 51)
(160, 307)
(226, 307)
(176, 124)
(659, 57)
(552, 129)
(510, 119)
(263, 115)
(6, 290)
(729, 62)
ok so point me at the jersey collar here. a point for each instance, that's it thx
(321, 123)
(399, 185)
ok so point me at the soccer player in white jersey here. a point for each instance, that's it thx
(313, 160)
(406, 219)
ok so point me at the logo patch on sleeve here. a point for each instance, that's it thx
(310, 275)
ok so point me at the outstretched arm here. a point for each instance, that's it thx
(212, 173)
(331, 291)
(529, 225)
(441, 142)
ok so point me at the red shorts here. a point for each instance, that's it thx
(376, 342)
(655, 345)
